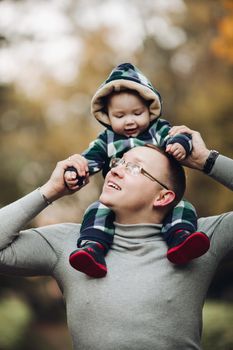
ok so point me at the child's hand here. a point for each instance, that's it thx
(80, 164)
(176, 150)
(70, 178)
(200, 152)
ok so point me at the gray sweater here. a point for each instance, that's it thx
(144, 302)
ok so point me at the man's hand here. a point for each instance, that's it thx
(200, 153)
(55, 187)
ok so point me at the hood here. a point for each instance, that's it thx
(123, 77)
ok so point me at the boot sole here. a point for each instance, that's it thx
(193, 247)
(84, 262)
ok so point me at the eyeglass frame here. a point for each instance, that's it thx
(141, 170)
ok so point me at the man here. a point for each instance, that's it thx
(144, 302)
(161, 191)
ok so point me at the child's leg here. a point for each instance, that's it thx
(96, 236)
(179, 230)
(97, 225)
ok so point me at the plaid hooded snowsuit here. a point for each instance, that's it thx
(98, 219)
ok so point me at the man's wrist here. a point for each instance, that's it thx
(210, 161)
(49, 194)
(197, 161)
(46, 200)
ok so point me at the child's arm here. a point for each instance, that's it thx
(97, 153)
(179, 146)
(90, 162)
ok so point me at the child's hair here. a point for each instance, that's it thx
(105, 99)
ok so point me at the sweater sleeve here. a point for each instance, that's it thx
(24, 252)
(184, 140)
(220, 227)
(96, 153)
(222, 171)
(220, 230)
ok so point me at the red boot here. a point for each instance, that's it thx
(185, 246)
(90, 260)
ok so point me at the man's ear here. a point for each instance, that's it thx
(164, 198)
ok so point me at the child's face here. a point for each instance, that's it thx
(128, 114)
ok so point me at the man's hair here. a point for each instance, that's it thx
(176, 179)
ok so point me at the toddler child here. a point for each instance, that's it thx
(130, 108)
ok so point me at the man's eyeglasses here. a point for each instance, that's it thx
(134, 169)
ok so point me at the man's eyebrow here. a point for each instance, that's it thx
(137, 159)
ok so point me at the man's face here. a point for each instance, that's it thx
(133, 196)
(128, 114)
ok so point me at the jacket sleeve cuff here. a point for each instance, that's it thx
(184, 140)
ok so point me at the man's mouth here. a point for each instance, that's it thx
(112, 184)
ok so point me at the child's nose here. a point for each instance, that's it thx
(129, 120)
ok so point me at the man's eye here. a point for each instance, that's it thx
(135, 170)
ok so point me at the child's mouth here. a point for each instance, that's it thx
(131, 131)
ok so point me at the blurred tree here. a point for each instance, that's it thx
(218, 319)
(222, 45)
(15, 317)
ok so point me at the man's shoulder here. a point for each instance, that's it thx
(223, 222)
(64, 227)
(59, 232)
(219, 228)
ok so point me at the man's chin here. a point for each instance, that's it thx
(104, 200)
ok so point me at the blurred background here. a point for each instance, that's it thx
(53, 56)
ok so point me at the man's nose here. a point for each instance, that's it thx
(118, 170)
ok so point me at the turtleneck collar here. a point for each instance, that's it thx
(134, 237)
(136, 233)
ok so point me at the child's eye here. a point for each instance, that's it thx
(138, 113)
(119, 116)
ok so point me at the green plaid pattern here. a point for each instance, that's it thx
(108, 145)
(129, 72)
(182, 217)
(98, 225)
